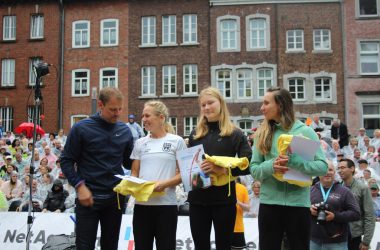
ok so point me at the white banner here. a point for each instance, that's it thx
(13, 231)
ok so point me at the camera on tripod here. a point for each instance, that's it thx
(321, 212)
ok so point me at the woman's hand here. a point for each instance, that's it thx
(210, 168)
(280, 164)
(159, 187)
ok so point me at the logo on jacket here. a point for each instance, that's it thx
(166, 146)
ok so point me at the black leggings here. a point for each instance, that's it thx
(275, 220)
(201, 219)
(155, 222)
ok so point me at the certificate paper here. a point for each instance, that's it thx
(306, 148)
(130, 178)
(189, 161)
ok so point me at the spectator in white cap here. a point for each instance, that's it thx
(137, 131)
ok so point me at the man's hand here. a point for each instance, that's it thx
(329, 215)
(313, 210)
(84, 196)
(363, 247)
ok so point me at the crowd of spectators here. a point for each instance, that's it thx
(50, 189)
(16, 152)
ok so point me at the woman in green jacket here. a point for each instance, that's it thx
(284, 208)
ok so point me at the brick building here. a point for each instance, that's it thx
(362, 53)
(174, 50)
(169, 57)
(95, 55)
(29, 33)
(295, 45)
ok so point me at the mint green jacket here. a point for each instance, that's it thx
(274, 192)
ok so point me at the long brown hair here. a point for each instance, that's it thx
(225, 125)
(265, 132)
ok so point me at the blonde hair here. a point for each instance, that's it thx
(265, 132)
(159, 108)
(225, 125)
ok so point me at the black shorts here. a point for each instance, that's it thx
(238, 241)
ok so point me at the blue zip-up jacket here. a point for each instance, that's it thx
(94, 152)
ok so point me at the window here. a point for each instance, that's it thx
(37, 27)
(326, 120)
(297, 88)
(323, 88)
(9, 28)
(173, 122)
(148, 31)
(294, 40)
(76, 118)
(190, 33)
(264, 81)
(32, 76)
(369, 58)
(371, 116)
(245, 126)
(190, 124)
(80, 82)
(322, 39)
(258, 32)
(169, 80)
(81, 34)
(169, 30)
(228, 32)
(223, 82)
(190, 78)
(31, 114)
(108, 77)
(109, 32)
(244, 83)
(148, 81)
(7, 72)
(368, 7)
(6, 115)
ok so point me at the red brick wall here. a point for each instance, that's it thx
(95, 57)
(358, 30)
(282, 18)
(21, 50)
(177, 55)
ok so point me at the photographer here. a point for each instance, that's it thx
(333, 206)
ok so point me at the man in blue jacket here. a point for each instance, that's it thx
(329, 225)
(94, 153)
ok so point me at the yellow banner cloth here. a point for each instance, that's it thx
(141, 191)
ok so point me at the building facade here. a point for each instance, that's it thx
(292, 44)
(95, 55)
(362, 53)
(174, 50)
(169, 57)
(29, 34)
